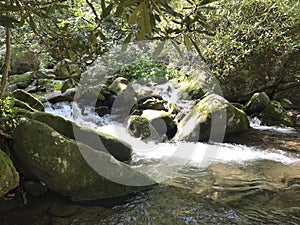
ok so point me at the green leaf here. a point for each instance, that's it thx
(126, 42)
(103, 7)
(7, 21)
(177, 48)
(32, 23)
(187, 41)
(94, 39)
(135, 14)
(140, 35)
(158, 49)
(197, 49)
(147, 23)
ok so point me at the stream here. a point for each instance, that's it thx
(250, 179)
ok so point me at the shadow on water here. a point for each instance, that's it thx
(258, 192)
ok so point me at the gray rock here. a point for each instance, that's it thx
(96, 140)
(275, 114)
(257, 103)
(212, 119)
(71, 168)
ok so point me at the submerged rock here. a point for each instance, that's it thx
(275, 114)
(9, 178)
(212, 119)
(72, 168)
(97, 140)
(32, 101)
(257, 103)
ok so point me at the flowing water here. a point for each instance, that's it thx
(245, 183)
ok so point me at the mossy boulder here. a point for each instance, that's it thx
(257, 103)
(9, 177)
(32, 101)
(275, 115)
(25, 78)
(97, 140)
(23, 105)
(72, 168)
(212, 118)
(140, 127)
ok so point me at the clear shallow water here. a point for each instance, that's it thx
(201, 183)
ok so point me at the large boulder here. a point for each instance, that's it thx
(96, 140)
(211, 119)
(72, 168)
(9, 177)
(275, 114)
(32, 101)
(257, 103)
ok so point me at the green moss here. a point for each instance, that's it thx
(97, 140)
(32, 101)
(62, 164)
(275, 114)
(9, 177)
(139, 127)
(23, 78)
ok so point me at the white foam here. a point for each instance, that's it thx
(199, 154)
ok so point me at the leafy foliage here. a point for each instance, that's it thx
(143, 68)
(7, 113)
(252, 28)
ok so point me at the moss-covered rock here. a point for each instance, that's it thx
(25, 78)
(9, 177)
(140, 127)
(257, 103)
(212, 119)
(32, 101)
(96, 140)
(23, 105)
(275, 114)
(71, 168)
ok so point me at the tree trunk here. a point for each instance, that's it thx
(4, 86)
